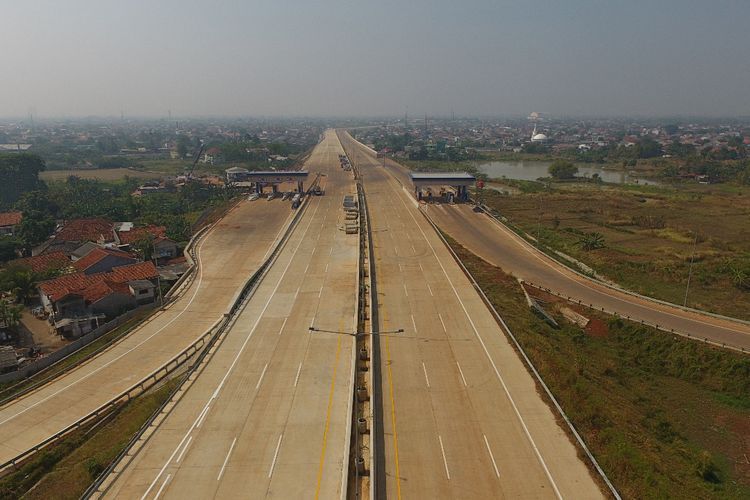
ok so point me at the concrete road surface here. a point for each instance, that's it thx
(461, 416)
(228, 255)
(268, 415)
(500, 246)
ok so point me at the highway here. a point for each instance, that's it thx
(459, 414)
(500, 246)
(268, 414)
(228, 255)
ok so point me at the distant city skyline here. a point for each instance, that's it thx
(579, 58)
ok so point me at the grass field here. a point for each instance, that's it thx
(103, 174)
(664, 416)
(649, 234)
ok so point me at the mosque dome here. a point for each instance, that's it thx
(539, 138)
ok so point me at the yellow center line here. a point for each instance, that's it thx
(393, 410)
(328, 416)
(390, 383)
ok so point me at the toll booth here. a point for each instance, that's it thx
(273, 178)
(429, 184)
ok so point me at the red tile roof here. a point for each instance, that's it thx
(140, 271)
(86, 230)
(101, 289)
(77, 283)
(96, 255)
(138, 233)
(10, 218)
(44, 262)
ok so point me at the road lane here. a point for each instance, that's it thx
(461, 415)
(228, 255)
(500, 246)
(268, 415)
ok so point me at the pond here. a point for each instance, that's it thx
(532, 170)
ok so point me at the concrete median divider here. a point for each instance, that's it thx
(200, 346)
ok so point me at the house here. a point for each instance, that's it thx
(78, 303)
(102, 260)
(41, 264)
(76, 232)
(9, 222)
(83, 250)
(163, 247)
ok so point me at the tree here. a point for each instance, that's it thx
(591, 241)
(648, 148)
(183, 145)
(20, 281)
(8, 248)
(19, 173)
(10, 314)
(144, 247)
(561, 169)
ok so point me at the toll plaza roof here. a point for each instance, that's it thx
(273, 176)
(437, 178)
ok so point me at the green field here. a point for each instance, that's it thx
(649, 234)
(102, 174)
(665, 417)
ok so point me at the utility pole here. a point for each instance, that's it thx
(690, 269)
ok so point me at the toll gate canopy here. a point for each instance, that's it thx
(268, 178)
(459, 181)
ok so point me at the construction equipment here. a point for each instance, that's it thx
(195, 161)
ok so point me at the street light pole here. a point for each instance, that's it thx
(690, 269)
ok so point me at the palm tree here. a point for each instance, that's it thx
(591, 241)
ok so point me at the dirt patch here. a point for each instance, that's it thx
(597, 328)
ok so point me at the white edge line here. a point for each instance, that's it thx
(445, 460)
(231, 447)
(262, 374)
(184, 449)
(462, 374)
(275, 455)
(426, 378)
(296, 378)
(492, 457)
(166, 480)
(442, 323)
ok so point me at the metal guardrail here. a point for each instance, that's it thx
(528, 362)
(164, 370)
(242, 298)
(705, 340)
(170, 297)
(690, 336)
(514, 229)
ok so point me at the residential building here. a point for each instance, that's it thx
(41, 264)
(103, 260)
(163, 247)
(79, 302)
(9, 222)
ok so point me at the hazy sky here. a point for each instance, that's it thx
(335, 58)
